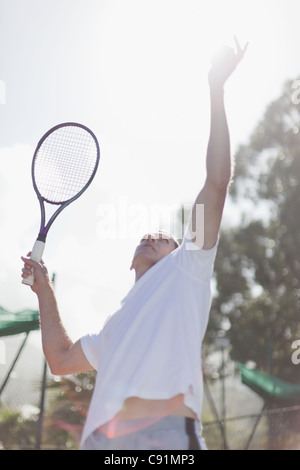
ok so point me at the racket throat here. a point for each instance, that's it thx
(42, 237)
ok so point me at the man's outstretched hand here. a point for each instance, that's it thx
(224, 63)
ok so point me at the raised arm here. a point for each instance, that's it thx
(63, 356)
(218, 159)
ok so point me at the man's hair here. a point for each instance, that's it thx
(176, 242)
(170, 236)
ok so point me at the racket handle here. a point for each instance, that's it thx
(36, 255)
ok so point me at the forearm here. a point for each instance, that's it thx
(55, 340)
(218, 161)
(63, 356)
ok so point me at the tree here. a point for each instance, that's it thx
(258, 262)
(69, 399)
(17, 431)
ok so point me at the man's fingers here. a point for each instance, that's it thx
(29, 262)
(240, 51)
(237, 45)
(26, 272)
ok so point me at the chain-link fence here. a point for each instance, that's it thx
(23, 384)
(276, 429)
(234, 417)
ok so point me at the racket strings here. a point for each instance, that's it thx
(64, 163)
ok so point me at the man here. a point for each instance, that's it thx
(148, 391)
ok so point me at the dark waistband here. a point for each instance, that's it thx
(173, 422)
(190, 426)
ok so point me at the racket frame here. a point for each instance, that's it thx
(44, 229)
(38, 248)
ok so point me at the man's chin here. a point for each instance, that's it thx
(145, 256)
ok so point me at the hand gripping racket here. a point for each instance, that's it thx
(63, 166)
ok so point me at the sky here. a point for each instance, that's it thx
(135, 72)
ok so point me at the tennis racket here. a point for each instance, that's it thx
(64, 164)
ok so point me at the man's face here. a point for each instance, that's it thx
(153, 247)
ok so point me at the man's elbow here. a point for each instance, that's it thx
(220, 182)
(220, 175)
(55, 368)
(55, 364)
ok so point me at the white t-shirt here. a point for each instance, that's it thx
(151, 347)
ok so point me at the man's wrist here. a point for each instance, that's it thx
(45, 290)
(216, 89)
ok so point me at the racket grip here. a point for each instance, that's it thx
(36, 255)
